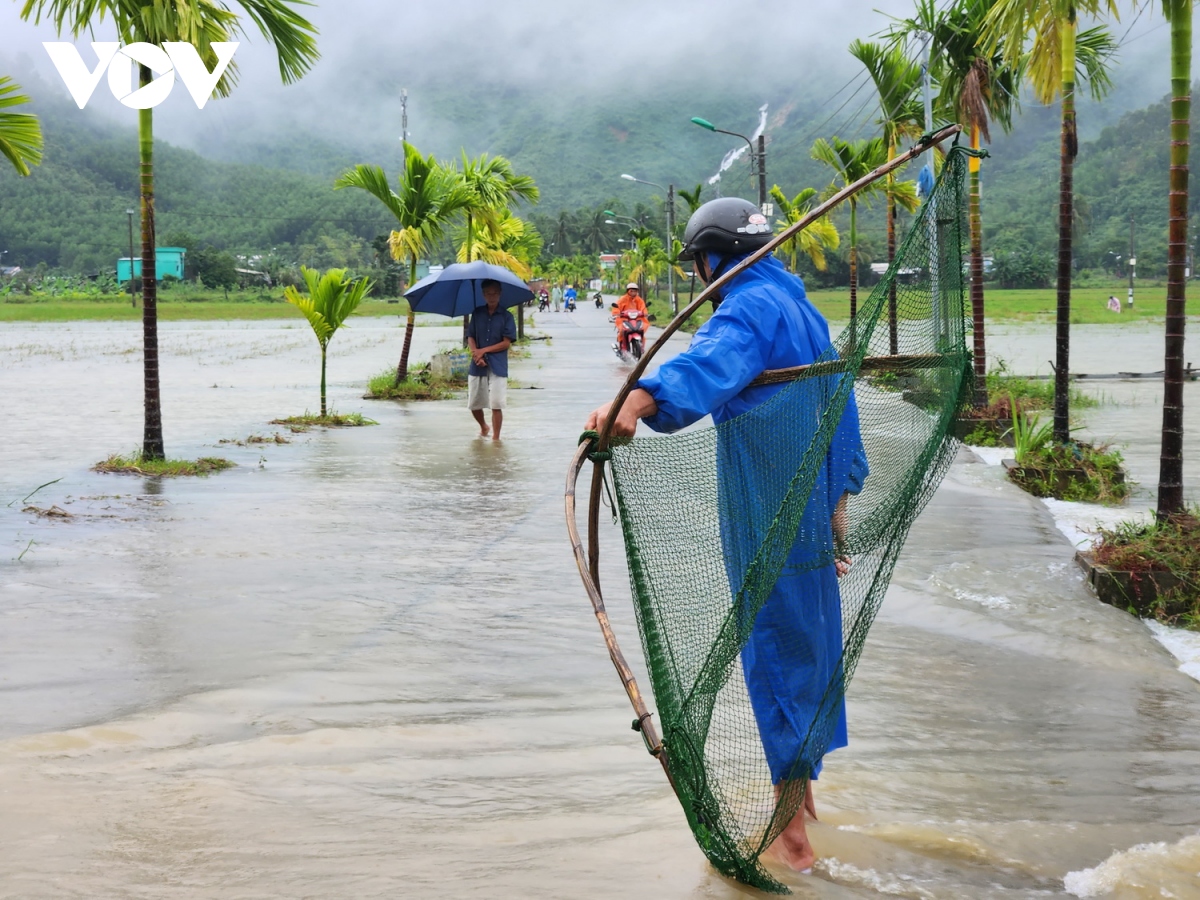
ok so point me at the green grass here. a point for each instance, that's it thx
(418, 386)
(329, 420)
(1172, 545)
(1088, 304)
(1101, 465)
(136, 464)
(173, 305)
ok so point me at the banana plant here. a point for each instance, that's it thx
(331, 299)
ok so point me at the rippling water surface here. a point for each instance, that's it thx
(361, 664)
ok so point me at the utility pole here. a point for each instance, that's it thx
(670, 247)
(1132, 260)
(762, 174)
(132, 299)
(404, 115)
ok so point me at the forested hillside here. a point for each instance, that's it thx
(70, 213)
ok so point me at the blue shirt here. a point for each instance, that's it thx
(491, 328)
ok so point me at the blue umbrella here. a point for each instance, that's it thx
(455, 290)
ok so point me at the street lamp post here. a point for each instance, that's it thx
(670, 191)
(132, 299)
(759, 157)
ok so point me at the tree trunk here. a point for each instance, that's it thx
(1170, 471)
(853, 262)
(322, 381)
(893, 335)
(402, 367)
(1068, 149)
(152, 434)
(980, 398)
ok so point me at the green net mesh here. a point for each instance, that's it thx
(729, 530)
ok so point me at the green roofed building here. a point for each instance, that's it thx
(167, 261)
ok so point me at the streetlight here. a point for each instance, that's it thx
(670, 191)
(761, 156)
(132, 301)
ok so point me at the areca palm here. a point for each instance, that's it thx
(20, 134)
(200, 23)
(692, 198)
(1170, 472)
(975, 87)
(430, 195)
(331, 299)
(814, 240)
(1058, 56)
(901, 115)
(850, 161)
(514, 244)
(491, 185)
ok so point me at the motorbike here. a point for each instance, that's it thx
(543, 302)
(599, 298)
(569, 304)
(631, 333)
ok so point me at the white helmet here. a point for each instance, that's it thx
(632, 286)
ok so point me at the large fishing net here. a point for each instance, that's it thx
(732, 533)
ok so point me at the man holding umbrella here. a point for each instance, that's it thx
(490, 333)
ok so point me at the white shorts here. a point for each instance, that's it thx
(488, 391)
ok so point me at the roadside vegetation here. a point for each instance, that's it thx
(1171, 545)
(136, 464)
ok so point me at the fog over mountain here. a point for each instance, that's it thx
(535, 79)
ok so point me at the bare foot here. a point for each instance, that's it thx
(484, 431)
(792, 847)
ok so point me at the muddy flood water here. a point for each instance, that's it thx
(361, 664)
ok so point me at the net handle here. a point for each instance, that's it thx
(588, 571)
(923, 144)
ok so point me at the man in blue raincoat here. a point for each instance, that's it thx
(794, 648)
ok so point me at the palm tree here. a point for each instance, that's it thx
(430, 195)
(1059, 54)
(331, 299)
(975, 88)
(491, 185)
(200, 23)
(595, 231)
(20, 135)
(896, 79)
(692, 198)
(514, 244)
(851, 161)
(814, 240)
(1170, 471)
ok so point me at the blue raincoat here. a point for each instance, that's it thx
(794, 650)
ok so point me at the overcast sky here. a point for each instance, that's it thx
(619, 44)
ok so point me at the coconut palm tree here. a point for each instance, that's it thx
(975, 88)
(851, 161)
(331, 299)
(430, 195)
(200, 23)
(902, 116)
(20, 134)
(1170, 471)
(814, 240)
(1059, 55)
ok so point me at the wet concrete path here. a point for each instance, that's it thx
(361, 664)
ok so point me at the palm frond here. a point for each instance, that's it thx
(20, 133)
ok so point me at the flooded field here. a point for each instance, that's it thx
(360, 664)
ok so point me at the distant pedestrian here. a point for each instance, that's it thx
(490, 333)
(1113, 303)
(556, 296)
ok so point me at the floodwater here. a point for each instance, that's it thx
(361, 664)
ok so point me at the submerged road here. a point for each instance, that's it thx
(361, 664)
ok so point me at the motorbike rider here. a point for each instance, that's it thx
(630, 300)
